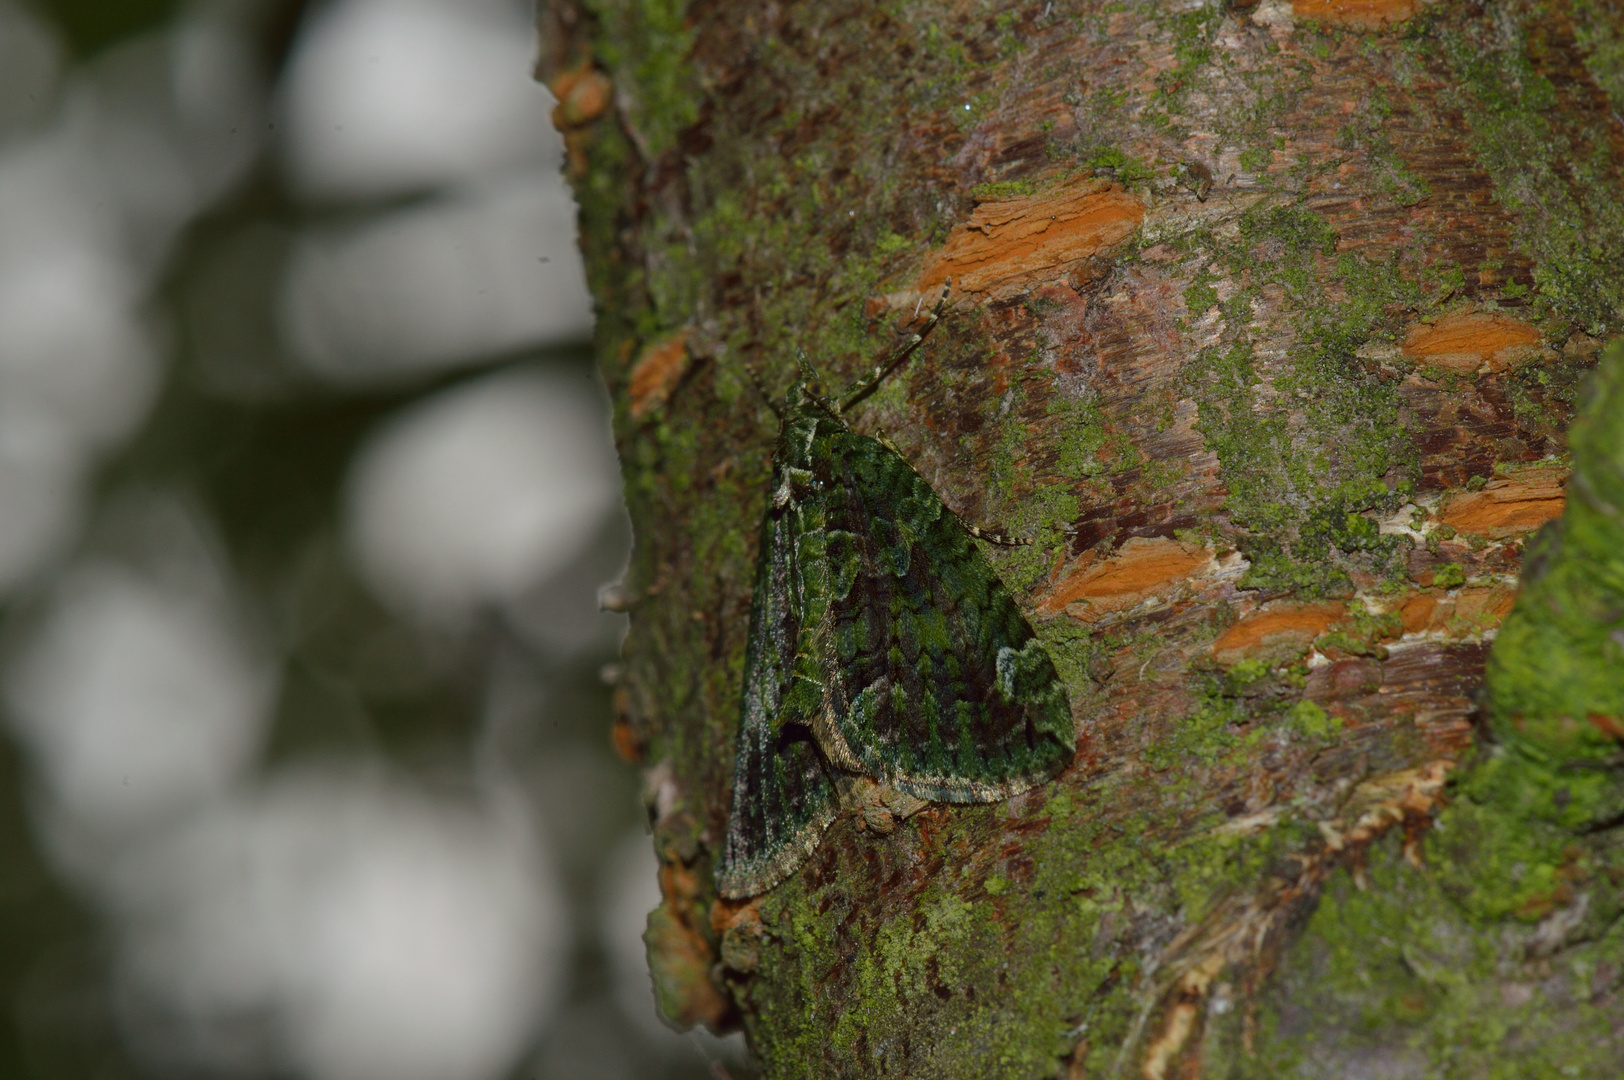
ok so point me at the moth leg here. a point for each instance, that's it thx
(864, 386)
(996, 538)
(797, 482)
(826, 731)
(881, 807)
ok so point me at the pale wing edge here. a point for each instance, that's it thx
(757, 875)
(956, 789)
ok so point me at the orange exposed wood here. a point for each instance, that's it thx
(681, 968)
(627, 743)
(1467, 614)
(726, 914)
(1143, 568)
(1360, 14)
(1482, 609)
(1010, 244)
(1607, 725)
(1286, 624)
(656, 372)
(1417, 612)
(583, 95)
(1471, 342)
(1509, 506)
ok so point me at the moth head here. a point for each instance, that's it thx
(809, 380)
(804, 397)
(807, 390)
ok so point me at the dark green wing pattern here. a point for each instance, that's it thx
(933, 681)
(783, 795)
(881, 644)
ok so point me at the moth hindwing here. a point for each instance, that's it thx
(882, 644)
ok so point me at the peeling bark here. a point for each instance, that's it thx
(1268, 322)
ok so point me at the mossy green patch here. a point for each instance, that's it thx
(1553, 676)
(1004, 189)
(921, 982)
(1449, 575)
(1244, 673)
(1079, 435)
(1399, 971)
(1601, 36)
(889, 243)
(645, 46)
(1309, 441)
(1199, 295)
(1491, 949)
(1559, 653)
(917, 978)
(1254, 159)
(1073, 432)
(1560, 179)
(1123, 168)
(1313, 721)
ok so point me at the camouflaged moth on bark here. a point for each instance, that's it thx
(882, 645)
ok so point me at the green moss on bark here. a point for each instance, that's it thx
(1394, 977)
(1312, 440)
(1556, 695)
(1599, 26)
(987, 979)
(1499, 950)
(1549, 151)
(1560, 653)
(763, 214)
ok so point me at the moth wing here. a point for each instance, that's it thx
(935, 682)
(783, 796)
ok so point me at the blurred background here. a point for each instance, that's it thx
(306, 493)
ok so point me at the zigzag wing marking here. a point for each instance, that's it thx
(935, 681)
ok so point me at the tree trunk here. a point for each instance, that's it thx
(1267, 325)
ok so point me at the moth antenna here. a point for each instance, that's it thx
(865, 386)
(755, 381)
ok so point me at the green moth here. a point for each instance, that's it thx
(882, 646)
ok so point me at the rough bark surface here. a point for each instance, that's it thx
(1268, 323)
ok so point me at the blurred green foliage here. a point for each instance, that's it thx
(266, 470)
(92, 25)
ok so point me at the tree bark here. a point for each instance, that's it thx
(1268, 321)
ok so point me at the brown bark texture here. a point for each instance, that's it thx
(1268, 321)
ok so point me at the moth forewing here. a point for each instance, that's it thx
(882, 646)
(783, 796)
